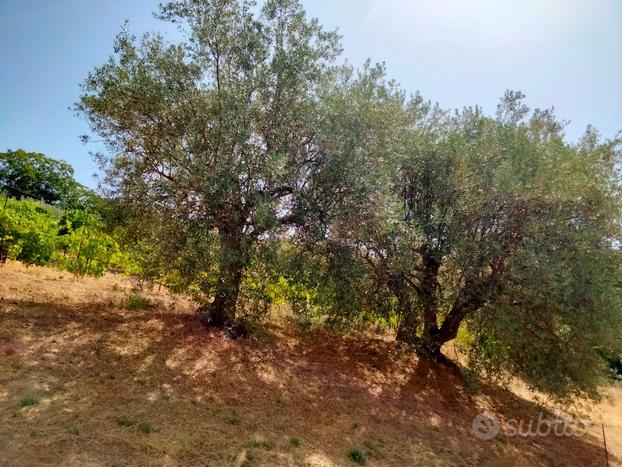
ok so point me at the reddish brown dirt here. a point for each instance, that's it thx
(209, 400)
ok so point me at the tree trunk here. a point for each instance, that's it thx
(4, 252)
(407, 330)
(222, 311)
(473, 295)
(426, 343)
(471, 298)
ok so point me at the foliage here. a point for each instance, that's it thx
(234, 420)
(86, 250)
(27, 232)
(211, 140)
(496, 224)
(35, 233)
(357, 456)
(294, 441)
(146, 427)
(136, 302)
(28, 401)
(246, 169)
(33, 175)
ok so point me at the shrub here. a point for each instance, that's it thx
(234, 420)
(28, 401)
(86, 249)
(27, 232)
(136, 302)
(145, 427)
(358, 456)
(36, 233)
(124, 420)
(294, 441)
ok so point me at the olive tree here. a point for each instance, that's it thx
(210, 140)
(494, 225)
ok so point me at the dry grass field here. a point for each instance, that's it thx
(85, 380)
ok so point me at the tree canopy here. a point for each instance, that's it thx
(211, 140)
(498, 226)
(37, 176)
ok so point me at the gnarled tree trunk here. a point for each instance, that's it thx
(474, 294)
(221, 312)
(426, 339)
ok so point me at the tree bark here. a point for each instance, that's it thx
(429, 338)
(221, 312)
(426, 344)
(4, 252)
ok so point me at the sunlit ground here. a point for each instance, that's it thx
(85, 381)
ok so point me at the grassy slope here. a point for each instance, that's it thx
(103, 376)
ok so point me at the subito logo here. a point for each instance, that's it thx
(485, 426)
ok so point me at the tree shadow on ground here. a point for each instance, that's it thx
(155, 386)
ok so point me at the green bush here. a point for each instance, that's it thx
(358, 456)
(86, 249)
(294, 441)
(36, 233)
(27, 232)
(27, 401)
(145, 427)
(136, 302)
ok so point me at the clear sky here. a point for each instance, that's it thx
(562, 53)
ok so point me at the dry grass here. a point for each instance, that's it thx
(119, 386)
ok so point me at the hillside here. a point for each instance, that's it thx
(86, 381)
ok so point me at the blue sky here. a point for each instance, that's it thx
(562, 53)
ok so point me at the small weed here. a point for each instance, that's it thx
(294, 441)
(355, 425)
(142, 381)
(74, 430)
(233, 420)
(136, 302)
(358, 456)
(28, 401)
(105, 376)
(304, 324)
(145, 427)
(374, 449)
(261, 444)
(471, 384)
(125, 421)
